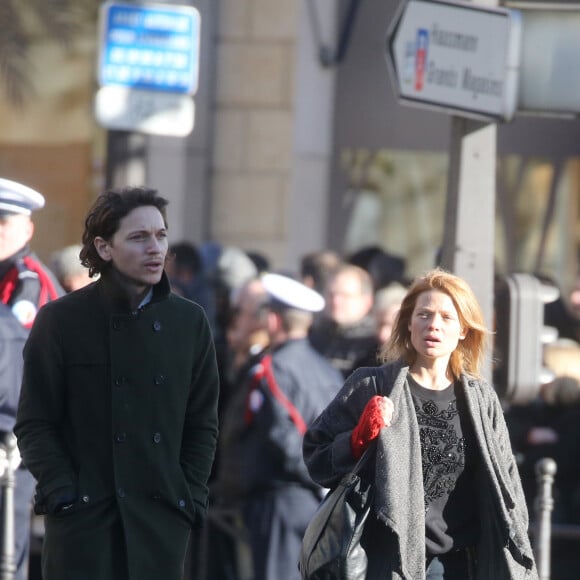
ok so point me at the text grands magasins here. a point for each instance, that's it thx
(463, 77)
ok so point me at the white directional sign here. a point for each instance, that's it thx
(456, 56)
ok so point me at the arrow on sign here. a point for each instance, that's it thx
(457, 57)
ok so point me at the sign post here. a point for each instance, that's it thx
(148, 67)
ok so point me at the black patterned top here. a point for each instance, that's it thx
(449, 462)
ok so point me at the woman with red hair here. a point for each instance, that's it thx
(448, 499)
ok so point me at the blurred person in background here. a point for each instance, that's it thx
(550, 427)
(247, 339)
(387, 303)
(185, 269)
(247, 333)
(262, 470)
(563, 359)
(575, 297)
(537, 428)
(226, 269)
(345, 332)
(563, 314)
(317, 268)
(26, 284)
(260, 260)
(384, 268)
(67, 267)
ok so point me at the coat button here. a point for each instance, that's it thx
(85, 499)
(156, 437)
(117, 325)
(159, 379)
(121, 492)
(120, 381)
(181, 503)
(120, 437)
(157, 326)
(156, 495)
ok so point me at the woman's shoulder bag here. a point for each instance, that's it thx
(331, 547)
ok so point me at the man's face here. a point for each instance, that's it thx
(247, 322)
(15, 232)
(346, 301)
(138, 248)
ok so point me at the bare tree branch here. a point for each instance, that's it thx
(60, 19)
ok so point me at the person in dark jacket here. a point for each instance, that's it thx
(345, 332)
(261, 469)
(26, 284)
(117, 417)
(449, 502)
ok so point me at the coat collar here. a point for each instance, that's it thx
(116, 298)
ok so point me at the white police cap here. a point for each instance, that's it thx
(18, 198)
(291, 293)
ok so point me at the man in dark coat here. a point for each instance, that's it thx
(118, 411)
(25, 285)
(345, 332)
(261, 467)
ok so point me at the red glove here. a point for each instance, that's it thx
(370, 423)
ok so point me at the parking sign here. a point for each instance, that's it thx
(150, 47)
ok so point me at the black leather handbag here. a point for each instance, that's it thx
(331, 547)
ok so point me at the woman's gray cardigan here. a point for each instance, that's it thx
(503, 551)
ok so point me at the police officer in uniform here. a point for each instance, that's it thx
(25, 285)
(286, 390)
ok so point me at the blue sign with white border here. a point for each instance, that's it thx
(150, 47)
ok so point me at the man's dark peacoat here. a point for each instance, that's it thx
(119, 409)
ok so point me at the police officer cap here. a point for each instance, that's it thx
(290, 293)
(16, 198)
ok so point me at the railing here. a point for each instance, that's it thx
(542, 531)
(543, 507)
(227, 521)
(9, 461)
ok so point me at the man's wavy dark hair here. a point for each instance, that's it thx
(104, 219)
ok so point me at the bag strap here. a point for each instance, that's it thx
(364, 458)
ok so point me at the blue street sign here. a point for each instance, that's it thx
(150, 47)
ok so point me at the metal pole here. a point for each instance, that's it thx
(468, 242)
(7, 468)
(544, 504)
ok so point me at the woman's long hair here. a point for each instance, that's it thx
(469, 354)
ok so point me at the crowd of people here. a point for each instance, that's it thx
(284, 348)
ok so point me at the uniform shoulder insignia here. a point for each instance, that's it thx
(24, 311)
(255, 401)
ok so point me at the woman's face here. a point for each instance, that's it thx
(435, 327)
